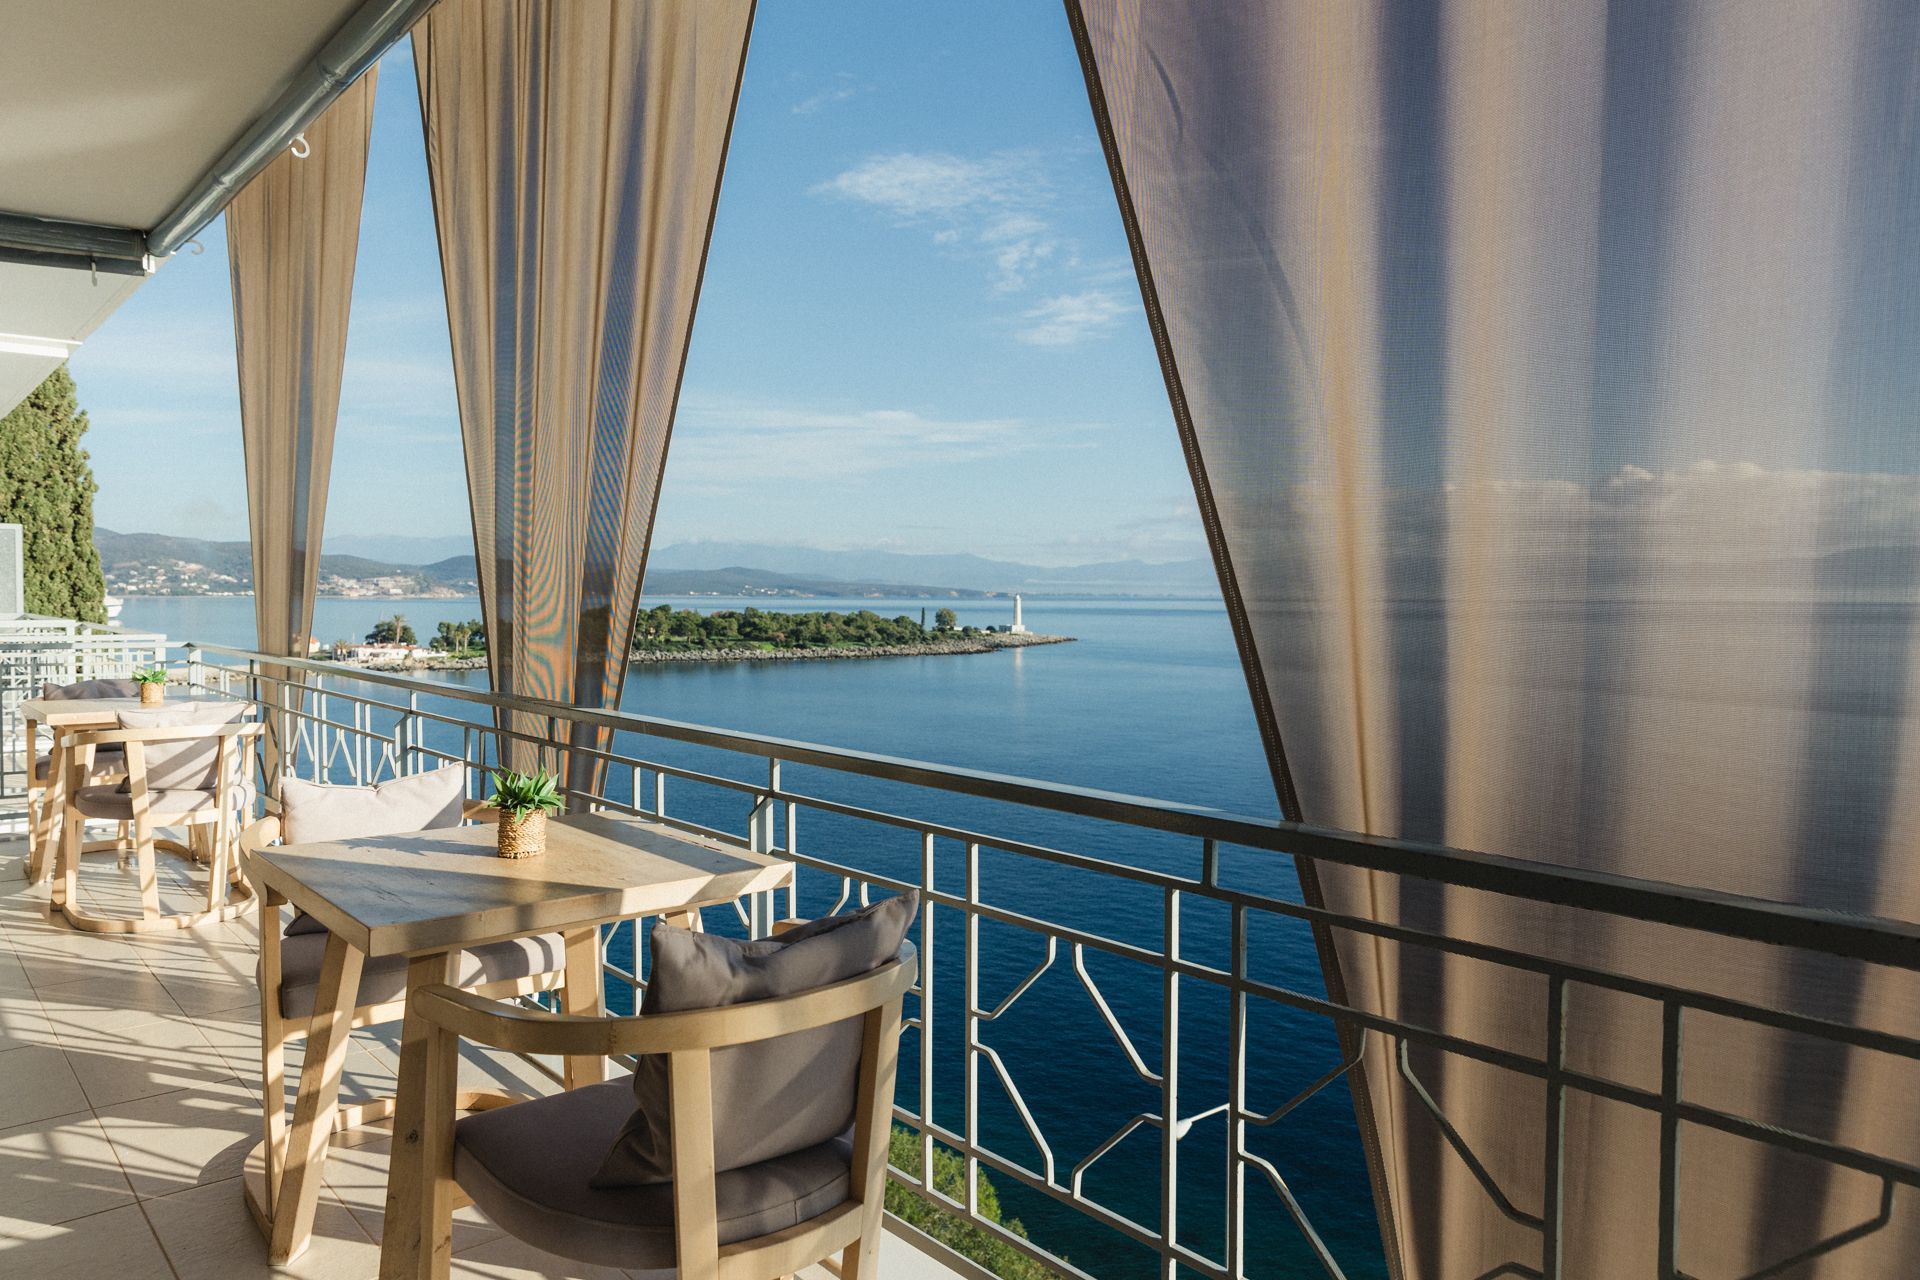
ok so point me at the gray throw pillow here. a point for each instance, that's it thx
(91, 689)
(311, 812)
(773, 1097)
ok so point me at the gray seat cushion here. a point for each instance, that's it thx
(384, 978)
(108, 760)
(530, 1166)
(109, 803)
(773, 1096)
(311, 812)
(190, 762)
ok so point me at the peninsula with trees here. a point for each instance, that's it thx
(666, 634)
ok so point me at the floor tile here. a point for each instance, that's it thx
(117, 1242)
(357, 1174)
(178, 1140)
(116, 1067)
(37, 1083)
(56, 1170)
(210, 1235)
(55, 956)
(107, 1001)
(505, 1258)
(23, 1023)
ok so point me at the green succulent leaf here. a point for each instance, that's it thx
(156, 676)
(522, 793)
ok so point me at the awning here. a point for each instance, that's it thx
(124, 136)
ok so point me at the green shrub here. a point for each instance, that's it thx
(950, 1229)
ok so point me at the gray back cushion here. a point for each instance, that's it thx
(772, 1097)
(188, 764)
(318, 811)
(128, 688)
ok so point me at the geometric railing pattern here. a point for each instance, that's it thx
(1155, 956)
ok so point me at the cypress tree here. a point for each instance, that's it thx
(47, 487)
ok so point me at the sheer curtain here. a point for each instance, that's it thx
(293, 237)
(1550, 376)
(575, 151)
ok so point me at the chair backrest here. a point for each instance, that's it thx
(772, 1098)
(189, 764)
(91, 689)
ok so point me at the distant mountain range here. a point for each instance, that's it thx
(152, 563)
(1193, 577)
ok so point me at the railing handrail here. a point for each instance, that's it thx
(1872, 939)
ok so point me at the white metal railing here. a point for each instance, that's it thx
(1188, 890)
(37, 651)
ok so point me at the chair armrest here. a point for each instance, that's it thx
(520, 1030)
(184, 733)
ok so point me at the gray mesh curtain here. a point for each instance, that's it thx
(575, 151)
(1550, 376)
(293, 236)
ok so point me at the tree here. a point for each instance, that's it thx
(945, 620)
(460, 637)
(47, 487)
(392, 630)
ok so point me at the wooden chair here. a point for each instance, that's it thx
(44, 803)
(287, 992)
(698, 1226)
(191, 777)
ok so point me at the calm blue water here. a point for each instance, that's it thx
(1149, 700)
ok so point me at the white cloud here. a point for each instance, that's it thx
(1000, 209)
(996, 206)
(1072, 318)
(926, 184)
(722, 443)
(842, 88)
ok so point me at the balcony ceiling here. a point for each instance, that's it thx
(111, 117)
(113, 113)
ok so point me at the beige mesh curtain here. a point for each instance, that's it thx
(1550, 376)
(293, 235)
(575, 152)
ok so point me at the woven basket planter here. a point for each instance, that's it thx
(152, 694)
(524, 837)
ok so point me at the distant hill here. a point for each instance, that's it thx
(160, 564)
(1193, 577)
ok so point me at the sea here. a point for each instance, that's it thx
(1148, 700)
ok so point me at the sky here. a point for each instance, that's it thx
(919, 329)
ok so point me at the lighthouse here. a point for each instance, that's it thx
(1019, 627)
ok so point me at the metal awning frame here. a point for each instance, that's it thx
(372, 29)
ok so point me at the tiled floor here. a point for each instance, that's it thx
(129, 1085)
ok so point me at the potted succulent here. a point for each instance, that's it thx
(153, 686)
(524, 801)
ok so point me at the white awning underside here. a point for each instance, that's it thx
(112, 112)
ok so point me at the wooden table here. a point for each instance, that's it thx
(430, 894)
(67, 769)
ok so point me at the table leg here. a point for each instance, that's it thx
(66, 871)
(414, 1167)
(44, 857)
(582, 997)
(316, 1102)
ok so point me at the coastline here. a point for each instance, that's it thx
(989, 642)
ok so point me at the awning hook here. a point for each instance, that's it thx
(300, 147)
